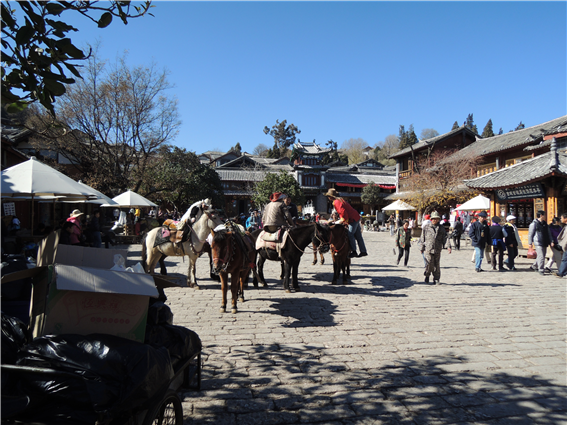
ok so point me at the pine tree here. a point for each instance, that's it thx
(488, 132)
(455, 126)
(412, 137)
(403, 137)
(469, 122)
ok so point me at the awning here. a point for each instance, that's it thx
(352, 184)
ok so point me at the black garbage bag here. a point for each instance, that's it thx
(182, 343)
(158, 313)
(98, 374)
(15, 335)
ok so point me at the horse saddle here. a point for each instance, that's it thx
(261, 242)
(170, 233)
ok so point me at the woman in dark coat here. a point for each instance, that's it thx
(403, 242)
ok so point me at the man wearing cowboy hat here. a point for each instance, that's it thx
(432, 241)
(348, 216)
(77, 229)
(276, 213)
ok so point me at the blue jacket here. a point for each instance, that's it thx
(479, 233)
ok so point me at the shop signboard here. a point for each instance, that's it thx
(533, 190)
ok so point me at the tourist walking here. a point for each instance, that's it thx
(511, 239)
(350, 217)
(458, 231)
(539, 236)
(497, 242)
(556, 251)
(403, 242)
(562, 242)
(479, 233)
(432, 241)
(392, 223)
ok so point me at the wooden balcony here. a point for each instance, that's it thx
(405, 174)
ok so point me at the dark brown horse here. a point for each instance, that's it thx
(298, 239)
(234, 255)
(340, 249)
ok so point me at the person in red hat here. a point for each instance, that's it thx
(351, 218)
(276, 213)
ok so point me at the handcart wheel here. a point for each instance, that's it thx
(168, 412)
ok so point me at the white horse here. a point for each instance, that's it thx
(191, 247)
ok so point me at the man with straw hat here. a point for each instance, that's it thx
(432, 241)
(348, 216)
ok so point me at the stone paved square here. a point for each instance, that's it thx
(478, 348)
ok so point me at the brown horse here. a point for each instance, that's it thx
(234, 255)
(340, 249)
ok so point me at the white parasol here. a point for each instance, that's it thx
(130, 199)
(477, 203)
(399, 205)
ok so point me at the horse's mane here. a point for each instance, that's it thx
(220, 236)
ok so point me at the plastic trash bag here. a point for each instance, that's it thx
(100, 374)
(15, 335)
(182, 343)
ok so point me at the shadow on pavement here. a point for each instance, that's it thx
(299, 383)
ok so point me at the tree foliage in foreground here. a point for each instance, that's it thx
(371, 194)
(277, 182)
(38, 57)
(111, 124)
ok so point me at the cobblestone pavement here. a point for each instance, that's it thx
(483, 348)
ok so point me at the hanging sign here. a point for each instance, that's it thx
(534, 190)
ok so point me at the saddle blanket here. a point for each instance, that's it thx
(277, 246)
(163, 235)
(171, 224)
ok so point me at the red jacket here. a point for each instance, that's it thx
(346, 212)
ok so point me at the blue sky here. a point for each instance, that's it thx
(341, 70)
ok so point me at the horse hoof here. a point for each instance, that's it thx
(313, 263)
(194, 286)
(241, 299)
(297, 289)
(223, 310)
(288, 291)
(264, 285)
(234, 311)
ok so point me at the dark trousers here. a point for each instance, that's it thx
(497, 250)
(457, 240)
(563, 266)
(401, 252)
(512, 254)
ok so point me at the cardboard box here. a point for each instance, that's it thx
(50, 252)
(84, 300)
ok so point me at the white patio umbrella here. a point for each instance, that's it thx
(399, 205)
(36, 181)
(477, 203)
(130, 199)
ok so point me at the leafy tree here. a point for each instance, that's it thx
(110, 124)
(277, 182)
(520, 126)
(407, 138)
(284, 137)
(429, 133)
(354, 150)
(176, 175)
(371, 195)
(488, 132)
(334, 154)
(38, 57)
(455, 126)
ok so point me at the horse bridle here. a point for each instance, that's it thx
(209, 219)
(317, 235)
(228, 257)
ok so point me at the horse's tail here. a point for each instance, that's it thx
(144, 252)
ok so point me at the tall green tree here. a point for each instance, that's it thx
(277, 182)
(237, 149)
(469, 123)
(488, 132)
(283, 135)
(371, 195)
(455, 126)
(38, 57)
(412, 138)
(407, 138)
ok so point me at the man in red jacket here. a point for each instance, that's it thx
(348, 216)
